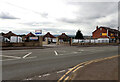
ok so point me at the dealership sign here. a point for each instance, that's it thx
(33, 38)
(38, 31)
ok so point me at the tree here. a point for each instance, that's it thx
(79, 35)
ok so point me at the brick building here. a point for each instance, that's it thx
(105, 32)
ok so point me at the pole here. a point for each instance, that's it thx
(118, 35)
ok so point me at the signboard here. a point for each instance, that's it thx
(38, 31)
(104, 34)
(111, 34)
(33, 38)
(112, 37)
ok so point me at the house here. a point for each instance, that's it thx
(63, 38)
(29, 37)
(23, 37)
(50, 37)
(105, 32)
(11, 37)
(9, 34)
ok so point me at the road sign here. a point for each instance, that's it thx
(38, 31)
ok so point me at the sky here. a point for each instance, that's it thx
(57, 16)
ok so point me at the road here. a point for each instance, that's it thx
(22, 64)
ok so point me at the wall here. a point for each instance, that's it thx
(96, 34)
(25, 44)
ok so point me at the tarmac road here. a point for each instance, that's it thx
(21, 64)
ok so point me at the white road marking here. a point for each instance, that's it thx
(61, 71)
(75, 52)
(56, 53)
(29, 79)
(11, 56)
(80, 50)
(8, 59)
(27, 55)
(46, 75)
(17, 59)
(69, 68)
(40, 76)
(30, 57)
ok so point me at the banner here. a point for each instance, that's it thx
(33, 38)
(104, 34)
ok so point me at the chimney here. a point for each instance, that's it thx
(96, 27)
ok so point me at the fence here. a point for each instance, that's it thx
(100, 40)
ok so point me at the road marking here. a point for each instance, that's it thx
(75, 52)
(85, 63)
(40, 76)
(11, 56)
(29, 79)
(70, 71)
(8, 59)
(30, 57)
(46, 75)
(77, 69)
(27, 55)
(69, 68)
(80, 50)
(61, 71)
(56, 53)
(66, 78)
(17, 59)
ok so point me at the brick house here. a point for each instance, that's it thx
(105, 32)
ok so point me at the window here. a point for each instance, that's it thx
(100, 34)
(100, 28)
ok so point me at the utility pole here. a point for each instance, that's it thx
(118, 35)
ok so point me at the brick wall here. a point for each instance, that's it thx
(98, 33)
(25, 44)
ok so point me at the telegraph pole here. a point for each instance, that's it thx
(118, 35)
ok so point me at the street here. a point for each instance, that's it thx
(23, 64)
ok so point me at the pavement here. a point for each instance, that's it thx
(48, 63)
(102, 70)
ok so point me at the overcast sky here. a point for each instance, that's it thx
(57, 16)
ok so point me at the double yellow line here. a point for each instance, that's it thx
(75, 68)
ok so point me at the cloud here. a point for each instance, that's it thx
(44, 15)
(37, 23)
(4, 15)
(67, 16)
(93, 13)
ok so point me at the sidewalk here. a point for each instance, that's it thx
(103, 70)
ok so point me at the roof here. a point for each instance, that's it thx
(109, 29)
(9, 34)
(49, 35)
(29, 35)
(63, 36)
